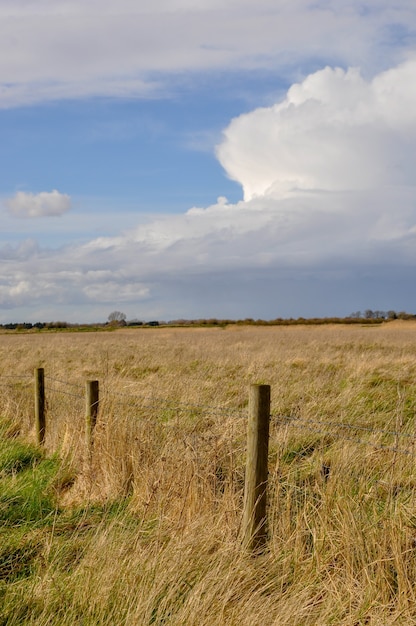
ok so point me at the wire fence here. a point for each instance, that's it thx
(216, 451)
(121, 405)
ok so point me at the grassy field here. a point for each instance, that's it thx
(146, 529)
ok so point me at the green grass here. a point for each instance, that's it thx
(25, 484)
(40, 539)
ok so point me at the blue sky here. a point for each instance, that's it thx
(195, 159)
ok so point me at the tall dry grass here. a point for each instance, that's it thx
(169, 452)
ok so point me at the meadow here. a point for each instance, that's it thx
(146, 529)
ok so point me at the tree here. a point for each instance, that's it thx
(117, 316)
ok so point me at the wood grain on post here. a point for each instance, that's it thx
(92, 401)
(255, 492)
(40, 420)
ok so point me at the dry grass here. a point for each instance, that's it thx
(169, 452)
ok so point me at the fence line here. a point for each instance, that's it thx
(219, 411)
(135, 401)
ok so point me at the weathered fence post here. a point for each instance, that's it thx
(255, 491)
(92, 401)
(40, 420)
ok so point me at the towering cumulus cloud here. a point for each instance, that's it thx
(334, 131)
(327, 173)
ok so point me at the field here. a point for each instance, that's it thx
(146, 528)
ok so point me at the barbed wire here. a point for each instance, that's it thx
(16, 376)
(11, 386)
(66, 393)
(175, 412)
(180, 411)
(181, 405)
(305, 426)
(62, 382)
(378, 431)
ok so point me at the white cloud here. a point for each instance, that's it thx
(115, 291)
(43, 204)
(333, 132)
(57, 49)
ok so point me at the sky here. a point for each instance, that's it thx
(186, 159)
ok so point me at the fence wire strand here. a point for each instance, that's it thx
(305, 426)
(202, 411)
(62, 382)
(377, 431)
(17, 376)
(178, 405)
(66, 393)
(10, 386)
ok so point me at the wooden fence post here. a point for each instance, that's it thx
(254, 524)
(92, 401)
(40, 421)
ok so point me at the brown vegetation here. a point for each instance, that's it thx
(169, 452)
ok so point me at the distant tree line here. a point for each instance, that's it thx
(118, 319)
(38, 325)
(76, 326)
(366, 317)
(382, 315)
